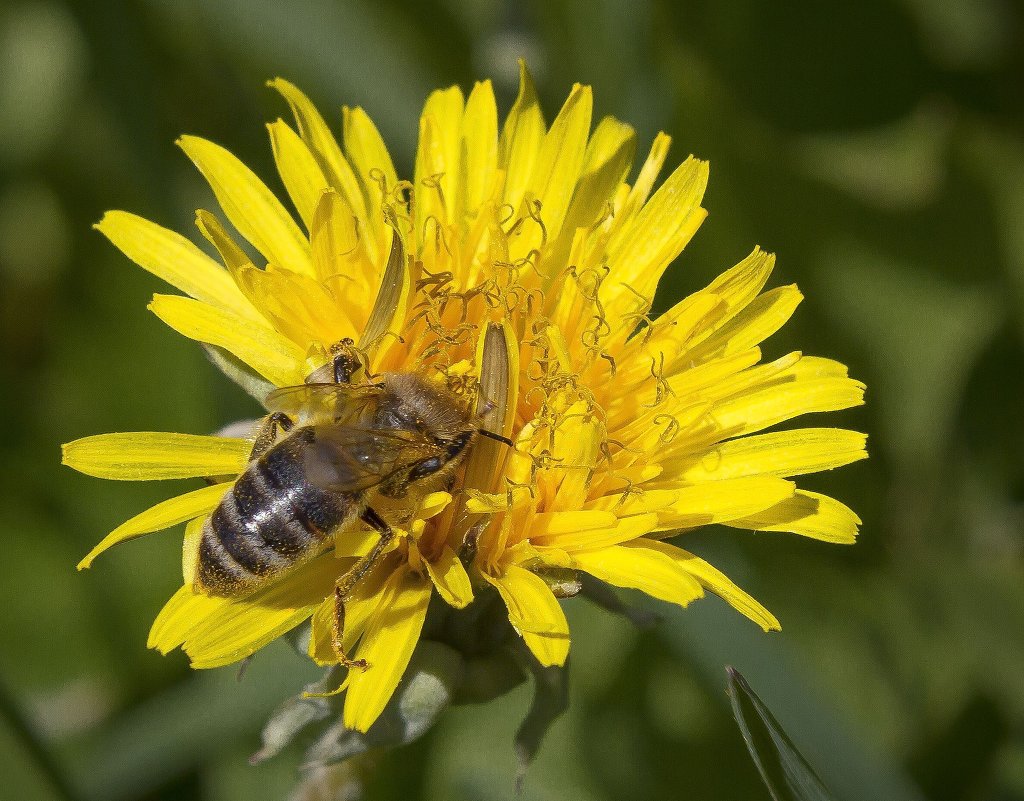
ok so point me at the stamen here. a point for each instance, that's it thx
(434, 182)
(534, 209)
(662, 389)
(377, 175)
(511, 213)
(671, 429)
(439, 237)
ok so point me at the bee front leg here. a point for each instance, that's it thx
(267, 433)
(347, 583)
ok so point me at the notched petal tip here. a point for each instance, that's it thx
(105, 220)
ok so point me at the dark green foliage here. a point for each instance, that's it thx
(785, 772)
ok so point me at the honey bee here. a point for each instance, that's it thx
(343, 446)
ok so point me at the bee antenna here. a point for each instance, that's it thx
(497, 437)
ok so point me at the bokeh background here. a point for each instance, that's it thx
(877, 147)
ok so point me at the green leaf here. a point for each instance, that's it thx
(785, 772)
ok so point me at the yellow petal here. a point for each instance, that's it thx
(437, 161)
(216, 631)
(301, 308)
(577, 449)
(807, 390)
(559, 163)
(680, 330)
(164, 515)
(641, 250)
(641, 568)
(341, 262)
(809, 514)
(250, 206)
(606, 163)
(230, 251)
(738, 286)
(480, 147)
(322, 145)
(627, 528)
(759, 320)
(190, 550)
(521, 139)
(450, 578)
(648, 174)
(674, 333)
(433, 504)
(714, 377)
(783, 454)
(716, 581)
(334, 236)
(721, 378)
(299, 171)
(176, 260)
(273, 356)
(145, 455)
(535, 612)
(552, 524)
(321, 648)
(490, 503)
(372, 162)
(718, 501)
(625, 505)
(387, 644)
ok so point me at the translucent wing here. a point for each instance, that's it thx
(352, 458)
(324, 402)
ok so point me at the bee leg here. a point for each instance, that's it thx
(267, 434)
(338, 630)
(347, 583)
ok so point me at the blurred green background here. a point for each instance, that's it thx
(877, 147)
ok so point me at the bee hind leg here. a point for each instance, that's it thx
(338, 631)
(347, 583)
(268, 431)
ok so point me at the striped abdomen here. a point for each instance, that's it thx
(272, 518)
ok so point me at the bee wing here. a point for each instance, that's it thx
(353, 458)
(334, 402)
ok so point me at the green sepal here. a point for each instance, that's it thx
(295, 714)
(426, 690)
(242, 374)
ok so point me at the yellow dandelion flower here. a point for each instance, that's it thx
(520, 265)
